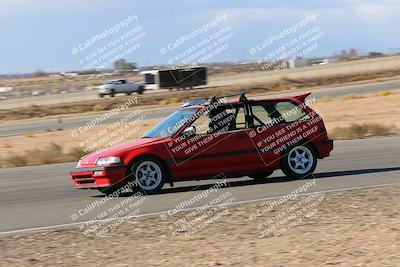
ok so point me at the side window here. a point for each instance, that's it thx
(290, 112)
(260, 116)
(149, 79)
(240, 119)
(202, 124)
(224, 119)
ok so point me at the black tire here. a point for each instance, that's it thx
(261, 176)
(306, 167)
(112, 94)
(101, 95)
(157, 174)
(141, 90)
(129, 93)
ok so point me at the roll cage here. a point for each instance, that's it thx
(247, 104)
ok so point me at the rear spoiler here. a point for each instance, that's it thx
(302, 97)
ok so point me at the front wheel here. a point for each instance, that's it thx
(299, 162)
(149, 175)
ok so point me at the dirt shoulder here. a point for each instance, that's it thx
(348, 117)
(351, 228)
(168, 97)
(383, 111)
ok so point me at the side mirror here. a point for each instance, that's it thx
(189, 131)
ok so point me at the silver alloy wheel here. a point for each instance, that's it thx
(148, 175)
(300, 159)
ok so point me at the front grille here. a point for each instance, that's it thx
(86, 182)
(83, 176)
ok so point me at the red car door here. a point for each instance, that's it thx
(220, 146)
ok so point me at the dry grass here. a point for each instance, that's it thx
(171, 97)
(20, 145)
(343, 119)
(52, 153)
(369, 110)
(358, 131)
(352, 96)
(29, 134)
(354, 228)
(173, 100)
(384, 93)
(7, 145)
(357, 96)
(59, 83)
(326, 99)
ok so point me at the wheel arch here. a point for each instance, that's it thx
(306, 142)
(311, 144)
(169, 177)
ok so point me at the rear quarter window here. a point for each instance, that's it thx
(290, 112)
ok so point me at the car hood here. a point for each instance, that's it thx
(91, 159)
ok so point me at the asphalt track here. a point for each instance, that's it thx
(42, 197)
(42, 125)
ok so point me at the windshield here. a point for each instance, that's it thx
(111, 82)
(171, 124)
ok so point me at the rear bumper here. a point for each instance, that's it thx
(324, 148)
(97, 177)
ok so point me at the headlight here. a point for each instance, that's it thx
(108, 160)
(79, 164)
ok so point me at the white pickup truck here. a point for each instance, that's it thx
(114, 87)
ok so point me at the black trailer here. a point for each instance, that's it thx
(175, 78)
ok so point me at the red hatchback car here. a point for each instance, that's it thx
(211, 137)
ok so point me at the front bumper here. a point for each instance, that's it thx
(97, 177)
(103, 92)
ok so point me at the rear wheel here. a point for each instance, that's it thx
(101, 95)
(141, 90)
(299, 162)
(112, 94)
(149, 174)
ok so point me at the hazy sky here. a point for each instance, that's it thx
(39, 34)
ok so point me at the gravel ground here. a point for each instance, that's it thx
(353, 228)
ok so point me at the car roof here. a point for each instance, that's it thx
(301, 98)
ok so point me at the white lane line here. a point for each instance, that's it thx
(188, 209)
